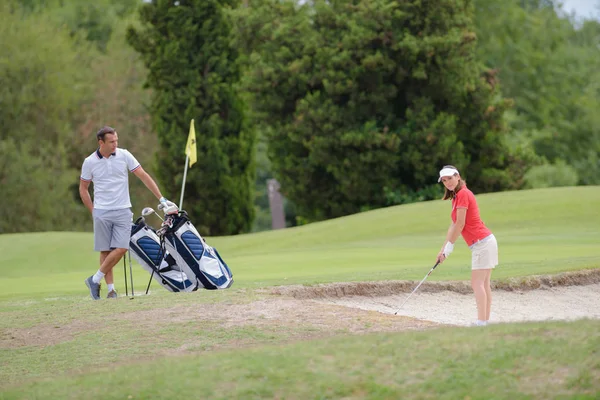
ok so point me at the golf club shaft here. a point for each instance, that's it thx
(161, 218)
(415, 289)
(125, 273)
(130, 274)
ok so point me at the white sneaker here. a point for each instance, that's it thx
(479, 323)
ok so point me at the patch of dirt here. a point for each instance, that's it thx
(290, 320)
(389, 288)
(41, 335)
(307, 317)
(297, 319)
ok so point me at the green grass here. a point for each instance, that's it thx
(553, 360)
(539, 232)
(56, 343)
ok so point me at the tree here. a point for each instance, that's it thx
(42, 84)
(368, 98)
(193, 74)
(548, 64)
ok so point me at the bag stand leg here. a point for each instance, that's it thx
(149, 282)
(160, 256)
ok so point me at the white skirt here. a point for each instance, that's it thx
(484, 254)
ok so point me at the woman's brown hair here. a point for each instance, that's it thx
(450, 194)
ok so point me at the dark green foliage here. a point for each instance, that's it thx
(359, 102)
(193, 73)
(370, 98)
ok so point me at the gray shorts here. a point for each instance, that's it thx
(112, 229)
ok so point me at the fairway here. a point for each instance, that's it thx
(272, 335)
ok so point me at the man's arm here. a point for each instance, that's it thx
(84, 193)
(148, 181)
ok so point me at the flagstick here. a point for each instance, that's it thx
(187, 159)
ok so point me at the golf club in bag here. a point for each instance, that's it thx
(192, 254)
(150, 253)
(420, 283)
(130, 275)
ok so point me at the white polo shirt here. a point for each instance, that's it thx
(111, 178)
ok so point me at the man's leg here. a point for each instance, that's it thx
(109, 276)
(119, 244)
(112, 230)
(112, 258)
(102, 239)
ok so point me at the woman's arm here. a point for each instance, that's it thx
(457, 227)
(454, 232)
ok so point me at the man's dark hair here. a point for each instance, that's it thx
(104, 131)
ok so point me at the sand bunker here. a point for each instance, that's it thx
(561, 303)
(565, 296)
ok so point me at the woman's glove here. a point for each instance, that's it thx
(448, 249)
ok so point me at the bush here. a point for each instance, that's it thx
(551, 175)
(395, 197)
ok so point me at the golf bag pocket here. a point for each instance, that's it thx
(146, 248)
(193, 255)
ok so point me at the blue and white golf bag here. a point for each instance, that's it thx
(146, 248)
(192, 254)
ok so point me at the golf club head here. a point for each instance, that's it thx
(147, 211)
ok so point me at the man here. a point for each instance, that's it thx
(108, 168)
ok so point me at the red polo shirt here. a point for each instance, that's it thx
(474, 229)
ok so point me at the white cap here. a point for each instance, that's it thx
(447, 171)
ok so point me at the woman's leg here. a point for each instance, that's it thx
(478, 277)
(488, 292)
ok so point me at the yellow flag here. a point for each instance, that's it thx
(190, 147)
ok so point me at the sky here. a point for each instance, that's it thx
(582, 8)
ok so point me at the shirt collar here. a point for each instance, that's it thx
(100, 155)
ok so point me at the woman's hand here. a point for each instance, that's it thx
(440, 257)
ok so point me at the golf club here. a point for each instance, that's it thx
(149, 210)
(125, 273)
(130, 275)
(429, 273)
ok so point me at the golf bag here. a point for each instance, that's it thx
(192, 254)
(146, 248)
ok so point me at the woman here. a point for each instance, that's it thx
(481, 241)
